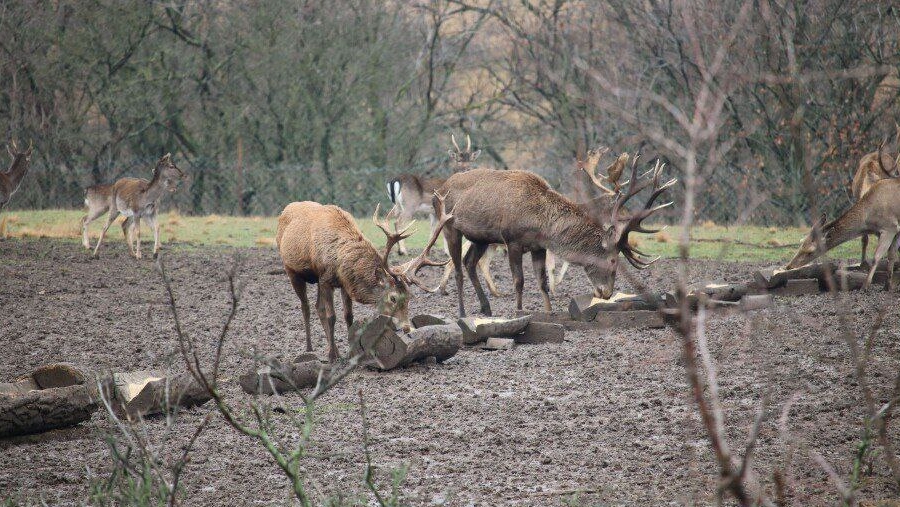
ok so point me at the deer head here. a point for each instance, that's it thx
(614, 240)
(167, 170)
(15, 153)
(463, 158)
(813, 245)
(394, 298)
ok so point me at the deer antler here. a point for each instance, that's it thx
(392, 237)
(468, 143)
(407, 271)
(880, 161)
(453, 140)
(634, 256)
(590, 163)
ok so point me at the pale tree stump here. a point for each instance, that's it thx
(55, 396)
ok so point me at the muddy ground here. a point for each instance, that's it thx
(605, 413)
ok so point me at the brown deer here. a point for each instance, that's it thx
(599, 207)
(12, 178)
(322, 244)
(411, 194)
(872, 167)
(136, 199)
(876, 212)
(520, 209)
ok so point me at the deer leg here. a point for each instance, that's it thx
(137, 236)
(562, 272)
(476, 251)
(454, 245)
(515, 265)
(113, 213)
(401, 245)
(93, 214)
(539, 262)
(325, 308)
(892, 259)
(154, 224)
(126, 232)
(348, 308)
(484, 265)
(300, 288)
(885, 240)
(864, 239)
(550, 261)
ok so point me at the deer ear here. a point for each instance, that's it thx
(475, 155)
(166, 158)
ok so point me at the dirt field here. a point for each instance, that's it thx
(606, 413)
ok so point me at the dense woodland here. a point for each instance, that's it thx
(263, 103)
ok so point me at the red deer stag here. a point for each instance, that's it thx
(12, 178)
(411, 194)
(136, 199)
(876, 212)
(322, 244)
(874, 166)
(520, 209)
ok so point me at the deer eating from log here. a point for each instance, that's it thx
(873, 167)
(12, 178)
(322, 244)
(876, 212)
(520, 209)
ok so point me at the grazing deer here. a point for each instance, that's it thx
(872, 167)
(136, 199)
(520, 209)
(411, 194)
(876, 212)
(598, 207)
(12, 178)
(322, 244)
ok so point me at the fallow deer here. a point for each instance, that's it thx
(520, 209)
(136, 199)
(874, 166)
(598, 207)
(12, 178)
(876, 212)
(411, 194)
(322, 244)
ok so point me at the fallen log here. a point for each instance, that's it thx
(541, 332)
(495, 343)
(755, 302)
(27, 407)
(585, 307)
(429, 320)
(139, 394)
(277, 377)
(637, 319)
(479, 329)
(383, 347)
(799, 287)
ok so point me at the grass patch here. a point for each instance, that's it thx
(709, 241)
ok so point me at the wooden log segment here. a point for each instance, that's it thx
(799, 287)
(143, 393)
(54, 396)
(382, 347)
(495, 343)
(635, 319)
(752, 302)
(585, 307)
(277, 377)
(541, 332)
(479, 329)
(429, 320)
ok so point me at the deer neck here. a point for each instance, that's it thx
(17, 172)
(573, 235)
(154, 191)
(848, 226)
(362, 275)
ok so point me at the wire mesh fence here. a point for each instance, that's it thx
(727, 195)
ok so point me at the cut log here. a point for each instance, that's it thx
(585, 307)
(166, 394)
(478, 329)
(440, 342)
(639, 319)
(798, 287)
(275, 376)
(385, 349)
(429, 320)
(541, 332)
(755, 302)
(45, 409)
(58, 375)
(562, 319)
(495, 343)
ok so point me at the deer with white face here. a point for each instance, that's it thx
(412, 193)
(322, 244)
(136, 199)
(12, 178)
(875, 166)
(520, 209)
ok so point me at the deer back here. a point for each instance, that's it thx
(323, 244)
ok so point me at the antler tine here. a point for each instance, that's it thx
(635, 223)
(409, 269)
(392, 237)
(589, 166)
(14, 147)
(453, 140)
(468, 143)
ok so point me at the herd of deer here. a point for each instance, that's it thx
(478, 210)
